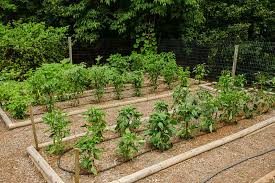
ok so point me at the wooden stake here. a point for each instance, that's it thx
(76, 166)
(70, 49)
(34, 129)
(235, 60)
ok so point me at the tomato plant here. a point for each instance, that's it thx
(128, 118)
(59, 128)
(129, 144)
(137, 79)
(96, 122)
(160, 130)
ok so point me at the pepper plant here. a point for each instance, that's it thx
(129, 144)
(58, 128)
(200, 72)
(89, 152)
(99, 78)
(128, 118)
(96, 123)
(137, 79)
(161, 106)
(186, 112)
(170, 70)
(161, 130)
(118, 80)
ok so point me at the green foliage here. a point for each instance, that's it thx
(208, 110)
(121, 63)
(89, 152)
(170, 69)
(128, 118)
(58, 128)
(185, 112)
(136, 61)
(47, 83)
(137, 79)
(262, 80)
(14, 98)
(118, 80)
(99, 77)
(200, 72)
(153, 66)
(129, 145)
(26, 46)
(183, 76)
(96, 123)
(161, 106)
(160, 130)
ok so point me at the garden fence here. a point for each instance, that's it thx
(252, 57)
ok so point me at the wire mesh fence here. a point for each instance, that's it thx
(253, 57)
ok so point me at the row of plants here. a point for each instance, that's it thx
(189, 113)
(61, 81)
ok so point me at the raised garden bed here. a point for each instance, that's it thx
(87, 100)
(153, 160)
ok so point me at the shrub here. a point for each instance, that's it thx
(58, 127)
(129, 144)
(128, 118)
(26, 46)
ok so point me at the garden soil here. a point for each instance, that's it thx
(16, 166)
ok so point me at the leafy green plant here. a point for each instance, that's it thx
(58, 127)
(136, 61)
(183, 75)
(128, 118)
(121, 63)
(160, 130)
(137, 78)
(96, 123)
(153, 66)
(170, 69)
(208, 106)
(118, 80)
(89, 152)
(200, 72)
(161, 106)
(18, 106)
(186, 112)
(262, 79)
(99, 78)
(130, 144)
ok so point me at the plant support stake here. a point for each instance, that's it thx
(70, 49)
(236, 50)
(34, 129)
(76, 166)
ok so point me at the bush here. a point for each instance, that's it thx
(26, 46)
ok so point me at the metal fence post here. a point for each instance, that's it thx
(235, 57)
(70, 49)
